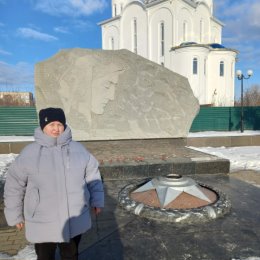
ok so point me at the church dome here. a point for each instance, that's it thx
(217, 46)
(130, 1)
(209, 3)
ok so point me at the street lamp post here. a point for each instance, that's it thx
(241, 77)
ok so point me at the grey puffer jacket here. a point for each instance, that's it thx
(51, 186)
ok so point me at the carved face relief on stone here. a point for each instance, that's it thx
(103, 90)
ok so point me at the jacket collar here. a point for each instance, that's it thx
(49, 141)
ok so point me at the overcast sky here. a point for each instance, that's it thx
(34, 30)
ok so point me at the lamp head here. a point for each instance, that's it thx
(239, 73)
(250, 73)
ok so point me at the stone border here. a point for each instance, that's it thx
(182, 216)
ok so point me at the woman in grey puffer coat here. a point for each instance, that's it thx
(51, 187)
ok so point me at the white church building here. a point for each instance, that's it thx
(182, 35)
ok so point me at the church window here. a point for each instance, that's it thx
(112, 43)
(162, 38)
(195, 66)
(184, 31)
(115, 10)
(201, 31)
(135, 35)
(221, 69)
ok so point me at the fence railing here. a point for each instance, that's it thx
(226, 119)
(18, 120)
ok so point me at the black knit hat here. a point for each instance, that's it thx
(51, 114)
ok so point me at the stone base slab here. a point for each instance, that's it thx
(133, 159)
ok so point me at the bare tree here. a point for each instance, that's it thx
(251, 96)
(16, 99)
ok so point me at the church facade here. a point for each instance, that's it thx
(182, 35)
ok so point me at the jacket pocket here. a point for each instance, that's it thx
(39, 208)
(31, 202)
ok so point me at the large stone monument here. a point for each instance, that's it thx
(115, 95)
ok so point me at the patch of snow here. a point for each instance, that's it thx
(5, 139)
(28, 253)
(5, 161)
(223, 133)
(249, 258)
(241, 158)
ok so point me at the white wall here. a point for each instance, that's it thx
(184, 16)
(134, 11)
(216, 32)
(224, 86)
(161, 15)
(109, 32)
(183, 64)
(202, 32)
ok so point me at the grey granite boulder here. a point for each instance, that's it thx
(115, 95)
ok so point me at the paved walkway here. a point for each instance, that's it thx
(119, 235)
(237, 235)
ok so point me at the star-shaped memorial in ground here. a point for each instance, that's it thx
(170, 187)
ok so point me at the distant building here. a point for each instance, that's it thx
(16, 99)
(183, 36)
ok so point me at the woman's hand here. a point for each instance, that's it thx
(20, 226)
(96, 210)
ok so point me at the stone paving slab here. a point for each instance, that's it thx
(236, 235)
(117, 234)
(11, 241)
(127, 159)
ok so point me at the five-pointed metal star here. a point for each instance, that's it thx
(170, 187)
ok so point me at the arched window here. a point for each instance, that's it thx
(162, 39)
(201, 31)
(221, 69)
(115, 11)
(112, 43)
(135, 35)
(195, 66)
(185, 25)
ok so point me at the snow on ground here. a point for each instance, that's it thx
(27, 253)
(5, 161)
(222, 133)
(5, 139)
(241, 158)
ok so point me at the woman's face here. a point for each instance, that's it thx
(54, 129)
(102, 92)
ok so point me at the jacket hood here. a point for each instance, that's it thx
(48, 141)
